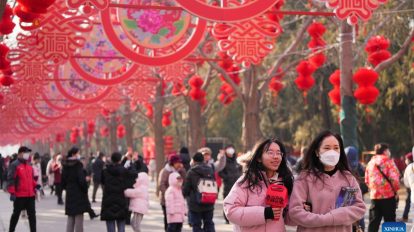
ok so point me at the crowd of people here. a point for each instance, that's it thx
(263, 190)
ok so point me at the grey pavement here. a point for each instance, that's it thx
(50, 216)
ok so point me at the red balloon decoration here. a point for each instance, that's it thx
(366, 93)
(377, 50)
(335, 93)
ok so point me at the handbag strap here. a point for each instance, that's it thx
(386, 178)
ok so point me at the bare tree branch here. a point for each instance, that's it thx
(293, 46)
(225, 75)
(383, 65)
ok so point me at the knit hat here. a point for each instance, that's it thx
(205, 150)
(198, 157)
(173, 159)
(409, 156)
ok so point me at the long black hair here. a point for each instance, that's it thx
(253, 175)
(311, 162)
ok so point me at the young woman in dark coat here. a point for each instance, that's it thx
(115, 179)
(74, 182)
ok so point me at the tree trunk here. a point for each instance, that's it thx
(348, 115)
(112, 133)
(326, 114)
(158, 107)
(251, 132)
(195, 126)
(129, 129)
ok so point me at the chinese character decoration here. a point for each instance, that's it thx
(351, 10)
(247, 42)
(27, 90)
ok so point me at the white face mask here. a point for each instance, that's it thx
(230, 151)
(26, 156)
(329, 158)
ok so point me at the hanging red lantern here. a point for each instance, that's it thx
(26, 17)
(120, 131)
(377, 43)
(104, 131)
(196, 81)
(304, 83)
(335, 93)
(166, 121)
(150, 111)
(177, 89)
(317, 59)
(275, 85)
(35, 6)
(366, 93)
(316, 29)
(91, 127)
(305, 68)
(377, 57)
(6, 23)
(6, 80)
(196, 94)
(105, 112)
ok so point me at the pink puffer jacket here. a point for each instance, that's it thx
(139, 202)
(174, 200)
(245, 209)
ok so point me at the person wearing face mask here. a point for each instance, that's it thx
(316, 191)
(382, 177)
(231, 172)
(21, 186)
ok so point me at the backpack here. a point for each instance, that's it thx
(207, 191)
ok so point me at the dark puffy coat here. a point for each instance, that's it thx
(231, 172)
(115, 179)
(200, 170)
(186, 159)
(97, 167)
(74, 182)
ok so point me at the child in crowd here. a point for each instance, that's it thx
(175, 203)
(139, 202)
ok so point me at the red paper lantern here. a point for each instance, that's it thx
(6, 23)
(305, 68)
(377, 43)
(275, 85)
(316, 29)
(6, 80)
(104, 131)
(150, 111)
(26, 17)
(377, 57)
(366, 95)
(304, 83)
(196, 81)
(317, 60)
(335, 95)
(120, 131)
(196, 94)
(166, 121)
(335, 78)
(91, 127)
(36, 6)
(316, 43)
(365, 77)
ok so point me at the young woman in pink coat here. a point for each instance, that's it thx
(245, 205)
(175, 203)
(139, 200)
(325, 172)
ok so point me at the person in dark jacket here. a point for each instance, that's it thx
(231, 172)
(140, 165)
(200, 213)
(21, 186)
(185, 158)
(115, 179)
(97, 167)
(74, 182)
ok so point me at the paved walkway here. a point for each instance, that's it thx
(50, 216)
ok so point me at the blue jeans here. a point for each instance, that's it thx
(110, 225)
(205, 218)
